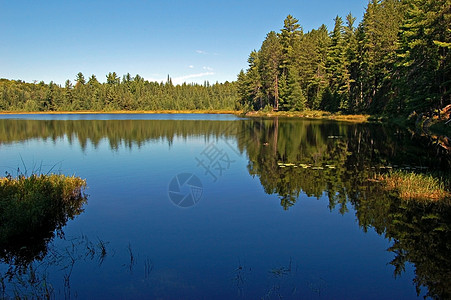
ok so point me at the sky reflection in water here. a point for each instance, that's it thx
(262, 228)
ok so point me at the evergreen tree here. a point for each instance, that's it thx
(242, 90)
(270, 56)
(424, 56)
(395, 61)
(80, 80)
(112, 78)
(352, 62)
(318, 82)
(68, 95)
(379, 42)
(337, 67)
(295, 99)
(290, 40)
(254, 82)
(290, 36)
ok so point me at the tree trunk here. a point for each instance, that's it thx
(276, 93)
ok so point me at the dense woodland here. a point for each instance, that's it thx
(397, 60)
(129, 93)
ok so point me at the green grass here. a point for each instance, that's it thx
(34, 204)
(413, 186)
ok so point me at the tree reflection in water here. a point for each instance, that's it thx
(339, 161)
(290, 158)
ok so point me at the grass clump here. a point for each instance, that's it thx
(309, 114)
(35, 204)
(413, 186)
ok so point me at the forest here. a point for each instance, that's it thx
(130, 93)
(396, 61)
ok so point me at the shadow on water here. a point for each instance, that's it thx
(340, 161)
(290, 158)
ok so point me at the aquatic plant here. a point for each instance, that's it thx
(416, 186)
(32, 209)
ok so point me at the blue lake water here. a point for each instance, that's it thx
(282, 208)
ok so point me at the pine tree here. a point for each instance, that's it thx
(242, 89)
(270, 56)
(424, 55)
(290, 40)
(379, 42)
(80, 80)
(295, 99)
(337, 67)
(352, 62)
(319, 81)
(290, 36)
(113, 79)
(254, 82)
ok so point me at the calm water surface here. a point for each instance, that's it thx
(214, 206)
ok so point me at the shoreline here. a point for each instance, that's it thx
(254, 114)
(97, 112)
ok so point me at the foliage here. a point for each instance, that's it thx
(395, 61)
(424, 54)
(130, 94)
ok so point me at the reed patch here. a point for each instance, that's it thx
(415, 186)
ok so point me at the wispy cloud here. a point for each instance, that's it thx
(191, 66)
(207, 68)
(201, 52)
(182, 79)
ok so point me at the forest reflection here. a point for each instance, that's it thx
(312, 157)
(339, 160)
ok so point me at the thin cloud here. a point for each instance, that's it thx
(207, 68)
(191, 66)
(201, 52)
(155, 79)
(182, 79)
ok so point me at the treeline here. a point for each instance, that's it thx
(397, 60)
(128, 93)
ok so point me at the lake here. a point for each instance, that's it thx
(194, 206)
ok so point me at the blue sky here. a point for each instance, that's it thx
(191, 41)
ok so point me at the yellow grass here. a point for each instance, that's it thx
(69, 185)
(311, 114)
(412, 186)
